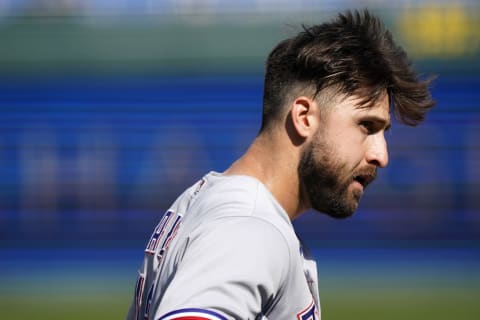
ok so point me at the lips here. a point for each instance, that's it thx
(365, 178)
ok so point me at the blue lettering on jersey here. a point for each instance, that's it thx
(139, 287)
(172, 232)
(159, 230)
(148, 302)
(162, 236)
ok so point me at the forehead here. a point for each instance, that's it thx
(353, 104)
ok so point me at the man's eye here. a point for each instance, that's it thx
(368, 126)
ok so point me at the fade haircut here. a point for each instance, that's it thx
(353, 54)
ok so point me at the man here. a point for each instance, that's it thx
(226, 248)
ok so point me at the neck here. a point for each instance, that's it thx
(275, 165)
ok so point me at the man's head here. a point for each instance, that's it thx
(353, 53)
(351, 72)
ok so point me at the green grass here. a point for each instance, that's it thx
(337, 304)
(62, 307)
(443, 304)
(63, 295)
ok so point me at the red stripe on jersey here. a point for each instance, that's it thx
(190, 318)
(192, 314)
(308, 313)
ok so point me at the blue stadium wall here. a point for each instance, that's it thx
(107, 114)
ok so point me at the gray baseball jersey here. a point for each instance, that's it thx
(225, 249)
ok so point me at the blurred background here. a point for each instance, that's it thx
(109, 109)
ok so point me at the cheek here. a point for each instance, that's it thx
(348, 138)
(344, 147)
(351, 154)
(352, 145)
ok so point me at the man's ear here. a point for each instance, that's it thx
(303, 116)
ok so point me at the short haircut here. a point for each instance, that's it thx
(354, 54)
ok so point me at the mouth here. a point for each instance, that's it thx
(364, 179)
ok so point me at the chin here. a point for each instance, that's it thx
(338, 207)
(339, 211)
(343, 215)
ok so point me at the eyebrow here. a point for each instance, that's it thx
(386, 124)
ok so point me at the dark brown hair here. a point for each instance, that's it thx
(353, 53)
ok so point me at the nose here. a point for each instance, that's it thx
(377, 153)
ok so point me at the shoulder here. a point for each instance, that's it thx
(239, 212)
(236, 264)
(239, 209)
(232, 196)
(245, 238)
